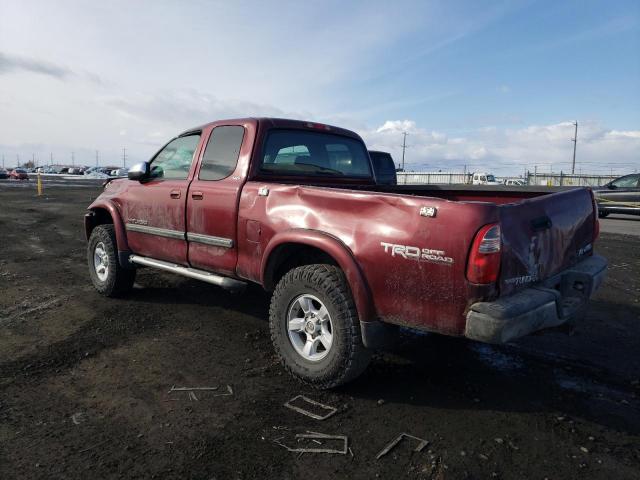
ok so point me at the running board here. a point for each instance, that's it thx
(224, 282)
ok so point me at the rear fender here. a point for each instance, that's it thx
(332, 247)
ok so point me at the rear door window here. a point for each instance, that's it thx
(221, 155)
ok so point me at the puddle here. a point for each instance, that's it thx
(496, 359)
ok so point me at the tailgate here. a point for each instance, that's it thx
(544, 235)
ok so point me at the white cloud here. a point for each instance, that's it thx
(510, 151)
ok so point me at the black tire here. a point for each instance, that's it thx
(602, 214)
(118, 280)
(347, 357)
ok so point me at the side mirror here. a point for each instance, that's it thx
(139, 172)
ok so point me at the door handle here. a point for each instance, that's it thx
(175, 193)
(197, 195)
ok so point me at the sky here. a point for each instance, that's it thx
(484, 86)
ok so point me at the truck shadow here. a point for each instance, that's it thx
(564, 374)
(428, 370)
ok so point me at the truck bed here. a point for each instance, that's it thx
(542, 232)
(498, 194)
(544, 229)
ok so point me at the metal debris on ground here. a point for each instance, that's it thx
(190, 391)
(229, 392)
(78, 418)
(391, 445)
(330, 410)
(317, 438)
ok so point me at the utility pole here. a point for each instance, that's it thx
(73, 159)
(18, 159)
(575, 142)
(404, 146)
(124, 157)
(97, 154)
(51, 158)
(33, 160)
(3, 160)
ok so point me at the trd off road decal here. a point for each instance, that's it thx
(417, 253)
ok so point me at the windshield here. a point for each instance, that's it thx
(308, 153)
(626, 182)
(491, 178)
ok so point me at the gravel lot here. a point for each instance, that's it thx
(85, 380)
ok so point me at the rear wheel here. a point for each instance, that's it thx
(315, 328)
(107, 276)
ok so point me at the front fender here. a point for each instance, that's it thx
(110, 208)
(333, 247)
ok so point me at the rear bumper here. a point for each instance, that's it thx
(549, 304)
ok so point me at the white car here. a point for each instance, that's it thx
(481, 178)
(516, 182)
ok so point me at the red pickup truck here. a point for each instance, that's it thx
(295, 207)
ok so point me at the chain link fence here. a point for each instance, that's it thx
(548, 179)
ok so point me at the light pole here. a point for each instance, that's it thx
(575, 142)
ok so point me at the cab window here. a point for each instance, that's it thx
(221, 155)
(311, 153)
(174, 160)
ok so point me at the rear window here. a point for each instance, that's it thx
(384, 167)
(300, 152)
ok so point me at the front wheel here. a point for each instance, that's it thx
(107, 276)
(315, 328)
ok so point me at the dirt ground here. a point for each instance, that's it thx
(85, 380)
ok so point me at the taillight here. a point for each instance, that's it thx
(484, 259)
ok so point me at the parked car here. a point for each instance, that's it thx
(294, 207)
(120, 172)
(19, 174)
(3, 173)
(384, 167)
(481, 178)
(516, 182)
(621, 195)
